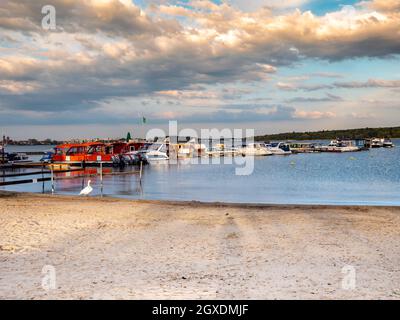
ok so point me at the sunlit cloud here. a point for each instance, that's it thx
(173, 57)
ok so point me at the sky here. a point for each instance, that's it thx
(268, 65)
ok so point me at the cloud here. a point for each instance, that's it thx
(382, 5)
(326, 75)
(328, 98)
(116, 17)
(108, 49)
(290, 86)
(270, 4)
(371, 83)
(315, 115)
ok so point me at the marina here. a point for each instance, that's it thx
(304, 176)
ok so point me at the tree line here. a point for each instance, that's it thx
(361, 133)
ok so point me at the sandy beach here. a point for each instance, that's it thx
(124, 249)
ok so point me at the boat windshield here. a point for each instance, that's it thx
(145, 147)
(154, 147)
(284, 147)
(60, 151)
(274, 145)
(76, 150)
(95, 149)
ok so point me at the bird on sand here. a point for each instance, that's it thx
(86, 191)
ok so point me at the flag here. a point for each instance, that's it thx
(144, 120)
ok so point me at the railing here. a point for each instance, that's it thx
(52, 177)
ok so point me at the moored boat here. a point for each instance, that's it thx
(387, 143)
(303, 147)
(155, 152)
(341, 146)
(279, 148)
(91, 154)
(17, 157)
(376, 143)
(254, 149)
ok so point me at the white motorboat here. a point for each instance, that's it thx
(341, 146)
(254, 149)
(279, 148)
(185, 151)
(387, 143)
(376, 143)
(220, 150)
(155, 152)
(197, 149)
(231, 152)
(215, 152)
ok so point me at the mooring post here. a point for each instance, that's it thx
(43, 177)
(141, 168)
(101, 177)
(3, 154)
(52, 179)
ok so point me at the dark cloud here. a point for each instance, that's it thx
(371, 83)
(328, 98)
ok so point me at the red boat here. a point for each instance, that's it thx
(89, 153)
(94, 153)
(69, 153)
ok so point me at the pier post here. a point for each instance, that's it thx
(52, 179)
(140, 172)
(43, 177)
(3, 155)
(101, 177)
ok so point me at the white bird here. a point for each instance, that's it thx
(86, 191)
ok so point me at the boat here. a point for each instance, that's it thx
(279, 148)
(198, 149)
(215, 151)
(254, 149)
(184, 150)
(376, 143)
(231, 152)
(220, 150)
(91, 153)
(341, 146)
(303, 147)
(134, 146)
(47, 156)
(387, 143)
(16, 157)
(72, 153)
(155, 152)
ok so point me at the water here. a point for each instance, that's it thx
(367, 178)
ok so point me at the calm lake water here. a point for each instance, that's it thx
(368, 178)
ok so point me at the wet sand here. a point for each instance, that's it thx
(124, 249)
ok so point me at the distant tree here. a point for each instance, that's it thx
(391, 132)
(128, 137)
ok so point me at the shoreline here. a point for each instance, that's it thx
(111, 248)
(7, 194)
